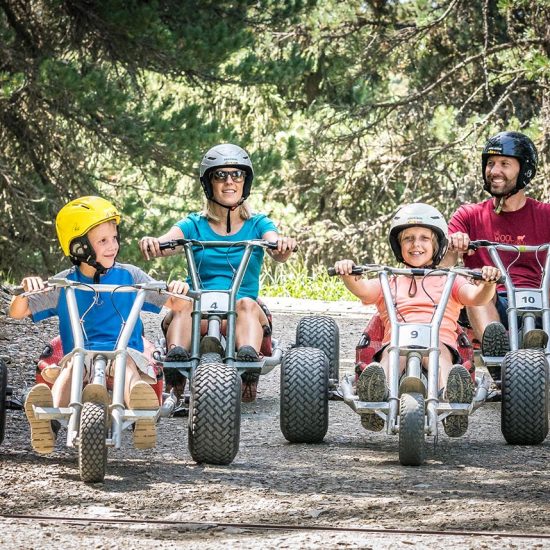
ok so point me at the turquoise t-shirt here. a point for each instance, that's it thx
(217, 266)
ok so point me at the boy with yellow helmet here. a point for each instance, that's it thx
(87, 229)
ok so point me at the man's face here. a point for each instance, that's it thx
(501, 174)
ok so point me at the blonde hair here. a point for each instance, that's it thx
(209, 211)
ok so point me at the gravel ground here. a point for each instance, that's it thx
(353, 480)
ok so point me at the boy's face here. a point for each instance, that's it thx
(417, 246)
(103, 238)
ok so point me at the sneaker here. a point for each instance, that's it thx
(460, 389)
(210, 344)
(144, 398)
(372, 387)
(249, 386)
(42, 434)
(494, 342)
(248, 354)
(177, 354)
(535, 339)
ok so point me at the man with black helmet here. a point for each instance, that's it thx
(508, 163)
(226, 174)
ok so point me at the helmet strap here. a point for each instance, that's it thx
(229, 210)
(500, 200)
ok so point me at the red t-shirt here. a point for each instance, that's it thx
(530, 225)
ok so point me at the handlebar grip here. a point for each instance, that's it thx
(356, 270)
(170, 244)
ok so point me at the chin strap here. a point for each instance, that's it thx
(229, 210)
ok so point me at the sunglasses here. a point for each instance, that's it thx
(236, 175)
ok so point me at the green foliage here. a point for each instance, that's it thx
(294, 279)
(349, 109)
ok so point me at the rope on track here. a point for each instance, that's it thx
(274, 526)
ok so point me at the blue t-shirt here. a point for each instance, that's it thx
(102, 323)
(217, 266)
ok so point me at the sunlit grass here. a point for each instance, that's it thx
(294, 280)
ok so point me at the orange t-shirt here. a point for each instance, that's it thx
(420, 308)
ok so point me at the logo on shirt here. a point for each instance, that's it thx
(508, 239)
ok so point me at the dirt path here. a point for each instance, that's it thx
(352, 480)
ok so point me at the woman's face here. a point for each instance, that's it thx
(417, 246)
(227, 185)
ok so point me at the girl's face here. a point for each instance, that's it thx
(417, 246)
(103, 239)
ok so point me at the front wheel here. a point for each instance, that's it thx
(524, 411)
(411, 429)
(304, 395)
(215, 414)
(92, 450)
(3, 398)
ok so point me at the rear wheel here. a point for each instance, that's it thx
(524, 411)
(92, 450)
(3, 398)
(304, 395)
(411, 429)
(215, 414)
(321, 333)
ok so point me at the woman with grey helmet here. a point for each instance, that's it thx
(508, 164)
(226, 175)
(418, 238)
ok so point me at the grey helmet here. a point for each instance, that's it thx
(422, 215)
(512, 144)
(226, 154)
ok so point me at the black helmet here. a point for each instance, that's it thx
(512, 144)
(226, 154)
(419, 214)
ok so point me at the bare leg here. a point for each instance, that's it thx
(178, 332)
(61, 390)
(481, 316)
(250, 322)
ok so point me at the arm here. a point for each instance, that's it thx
(366, 290)
(177, 287)
(19, 307)
(459, 239)
(483, 291)
(285, 246)
(150, 248)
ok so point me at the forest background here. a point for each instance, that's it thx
(348, 109)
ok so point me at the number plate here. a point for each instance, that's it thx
(214, 302)
(528, 299)
(414, 335)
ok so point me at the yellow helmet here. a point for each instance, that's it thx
(76, 218)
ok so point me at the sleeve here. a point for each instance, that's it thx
(459, 282)
(459, 222)
(43, 305)
(190, 226)
(264, 225)
(153, 300)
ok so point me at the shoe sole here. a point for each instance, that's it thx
(494, 342)
(42, 436)
(371, 387)
(460, 389)
(144, 398)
